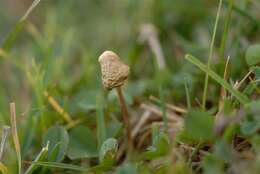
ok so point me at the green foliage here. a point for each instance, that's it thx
(48, 49)
(40, 157)
(215, 163)
(160, 147)
(212, 165)
(58, 140)
(181, 168)
(108, 152)
(12, 35)
(199, 126)
(114, 128)
(82, 143)
(253, 55)
(250, 127)
(254, 84)
(101, 128)
(254, 106)
(127, 168)
(241, 97)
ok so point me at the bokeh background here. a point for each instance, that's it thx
(58, 48)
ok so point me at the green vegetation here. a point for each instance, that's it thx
(190, 104)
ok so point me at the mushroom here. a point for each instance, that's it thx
(114, 74)
(114, 71)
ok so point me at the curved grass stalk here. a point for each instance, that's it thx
(211, 55)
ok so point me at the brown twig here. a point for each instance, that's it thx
(188, 147)
(140, 123)
(149, 34)
(170, 106)
(171, 116)
(57, 107)
(238, 84)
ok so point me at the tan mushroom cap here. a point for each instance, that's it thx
(114, 71)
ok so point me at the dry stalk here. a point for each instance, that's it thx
(149, 34)
(172, 117)
(170, 106)
(141, 122)
(57, 107)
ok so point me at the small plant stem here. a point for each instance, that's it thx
(163, 108)
(100, 119)
(223, 91)
(222, 50)
(225, 32)
(169, 106)
(15, 136)
(125, 117)
(196, 150)
(6, 130)
(58, 108)
(187, 91)
(210, 56)
(155, 131)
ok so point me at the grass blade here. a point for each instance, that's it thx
(100, 119)
(95, 169)
(255, 23)
(61, 166)
(225, 32)
(211, 55)
(163, 108)
(15, 136)
(40, 156)
(187, 92)
(239, 96)
(11, 37)
(3, 168)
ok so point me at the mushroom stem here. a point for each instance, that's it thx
(125, 117)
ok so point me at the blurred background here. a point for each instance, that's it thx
(58, 48)
(65, 38)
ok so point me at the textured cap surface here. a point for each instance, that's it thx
(114, 71)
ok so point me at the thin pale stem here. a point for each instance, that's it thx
(223, 91)
(210, 56)
(163, 108)
(225, 32)
(188, 100)
(15, 136)
(125, 117)
(6, 130)
(238, 85)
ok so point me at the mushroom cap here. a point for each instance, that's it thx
(114, 71)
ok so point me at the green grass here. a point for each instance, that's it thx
(205, 91)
